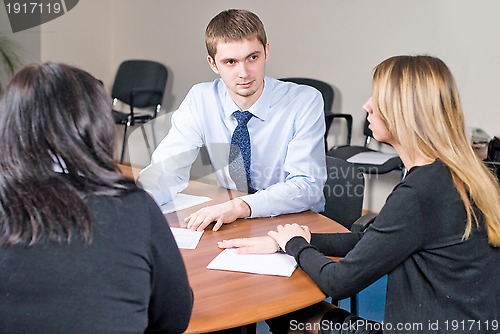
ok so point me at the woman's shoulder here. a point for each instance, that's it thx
(429, 175)
(430, 184)
(133, 204)
(431, 187)
(131, 194)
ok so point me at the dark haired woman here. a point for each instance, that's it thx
(82, 249)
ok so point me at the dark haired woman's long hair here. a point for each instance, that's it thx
(57, 136)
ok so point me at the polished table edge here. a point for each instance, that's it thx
(304, 291)
(128, 171)
(203, 319)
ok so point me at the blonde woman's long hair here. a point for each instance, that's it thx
(418, 99)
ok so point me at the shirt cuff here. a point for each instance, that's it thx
(297, 245)
(253, 203)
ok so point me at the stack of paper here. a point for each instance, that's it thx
(183, 201)
(278, 264)
(185, 238)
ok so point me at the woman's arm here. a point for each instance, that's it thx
(335, 244)
(391, 239)
(330, 244)
(171, 300)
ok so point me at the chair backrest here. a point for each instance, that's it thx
(344, 191)
(325, 89)
(146, 76)
(327, 93)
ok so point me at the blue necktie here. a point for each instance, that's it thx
(240, 142)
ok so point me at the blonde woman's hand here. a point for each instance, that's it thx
(284, 233)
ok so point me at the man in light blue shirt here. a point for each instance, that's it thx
(286, 131)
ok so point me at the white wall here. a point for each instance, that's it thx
(333, 40)
(27, 43)
(337, 41)
(81, 37)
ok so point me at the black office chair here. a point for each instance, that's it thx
(139, 84)
(343, 153)
(328, 94)
(347, 151)
(492, 160)
(344, 193)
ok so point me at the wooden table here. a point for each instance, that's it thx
(224, 299)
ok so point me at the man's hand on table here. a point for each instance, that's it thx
(224, 213)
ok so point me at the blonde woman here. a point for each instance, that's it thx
(438, 235)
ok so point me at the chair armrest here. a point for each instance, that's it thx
(348, 118)
(138, 91)
(362, 222)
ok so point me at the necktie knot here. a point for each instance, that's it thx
(242, 117)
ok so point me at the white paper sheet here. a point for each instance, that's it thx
(185, 238)
(278, 264)
(373, 158)
(183, 201)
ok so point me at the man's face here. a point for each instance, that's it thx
(241, 65)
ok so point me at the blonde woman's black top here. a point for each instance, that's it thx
(437, 281)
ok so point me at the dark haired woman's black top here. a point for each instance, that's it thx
(130, 279)
(437, 282)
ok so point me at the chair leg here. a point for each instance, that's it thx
(155, 144)
(247, 329)
(146, 141)
(124, 143)
(354, 304)
(349, 129)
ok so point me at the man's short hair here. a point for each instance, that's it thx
(233, 25)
